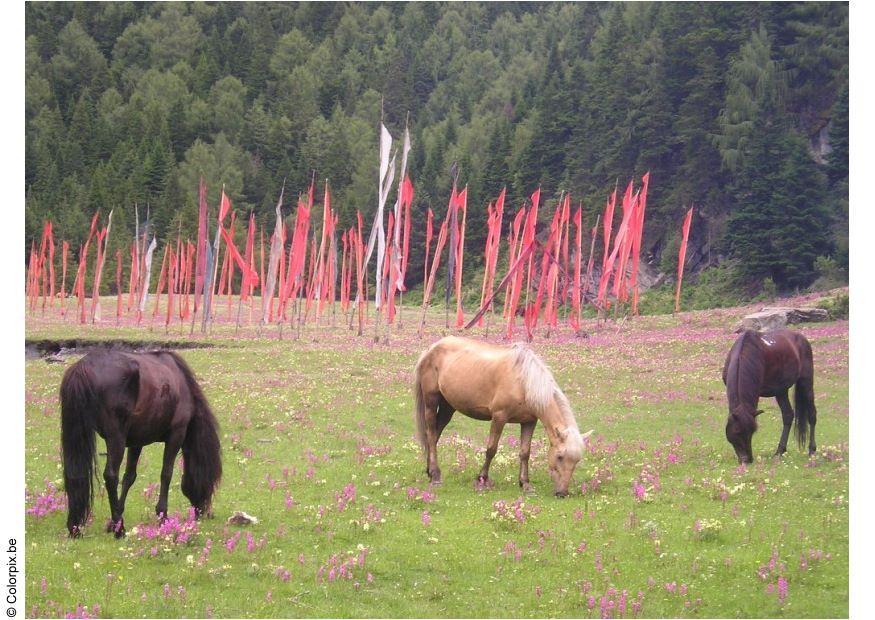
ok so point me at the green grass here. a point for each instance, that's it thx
(308, 418)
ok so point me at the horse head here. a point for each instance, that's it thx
(740, 427)
(563, 457)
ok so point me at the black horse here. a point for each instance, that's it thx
(768, 364)
(132, 400)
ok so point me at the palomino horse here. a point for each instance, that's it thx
(501, 384)
(767, 364)
(133, 400)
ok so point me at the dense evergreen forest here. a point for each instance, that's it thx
(740, 109)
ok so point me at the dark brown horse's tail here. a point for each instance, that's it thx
(805, 410)
(201, 452)
(803, 394)
(79, 405)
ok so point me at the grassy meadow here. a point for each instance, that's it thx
(317, 442)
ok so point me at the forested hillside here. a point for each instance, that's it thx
(740, 109)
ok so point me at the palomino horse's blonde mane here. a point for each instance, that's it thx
(540, 386)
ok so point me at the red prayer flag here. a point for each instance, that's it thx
(682, 257)
(429, 231)
(636, 248)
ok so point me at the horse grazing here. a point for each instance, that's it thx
(501, 384)
(133, 400)
(767, 364)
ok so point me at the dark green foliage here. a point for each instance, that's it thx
(838, 305)
(130, 103)
(780, 224)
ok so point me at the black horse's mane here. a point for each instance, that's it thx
(743, 378)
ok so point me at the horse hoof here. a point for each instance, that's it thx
(120, 532)
(528, 489)
(75, 532)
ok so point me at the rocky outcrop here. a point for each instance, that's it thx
(776, 318)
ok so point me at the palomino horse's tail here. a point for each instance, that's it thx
(201, 452)
(419, 398)
(79, 404)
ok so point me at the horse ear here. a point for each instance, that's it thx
(757, 412)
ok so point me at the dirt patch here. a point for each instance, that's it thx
(57, 350)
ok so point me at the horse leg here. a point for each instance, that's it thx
(130, 474)
(171, 449)
(444, 415)
(787, 415)
(433, 406)
(115, 451)
(527, 429)
(491, 448)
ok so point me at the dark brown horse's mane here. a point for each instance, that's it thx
(743, 379)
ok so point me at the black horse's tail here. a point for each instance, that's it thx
(78, 407)
(202, 469)
(805, 409)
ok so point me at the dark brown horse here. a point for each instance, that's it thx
(132, 400)
(768, 364)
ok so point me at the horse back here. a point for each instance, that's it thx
(787, 356)
(475, 378)
(157, 395)
(113, 378)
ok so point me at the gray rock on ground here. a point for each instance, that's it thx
(776, 318)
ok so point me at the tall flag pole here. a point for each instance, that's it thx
(51, 265)
(429, 233)
(378, 234)
(619, 241)
(407, 198)
(147, 271)
(396, 273)
(607, 224)
(682, 257)
(118, 286)
(513, 290)
(133, 284)
(134, 276)
(360, 273)
(452, 217)
(224, 207)
(636, 246)
(589, 263)
(200, 261)
(436, 261)
(65, 249)
(162, 280)
(102, 242)
(82, 269)
(462, 199)
(575, 284)
(276, 248)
